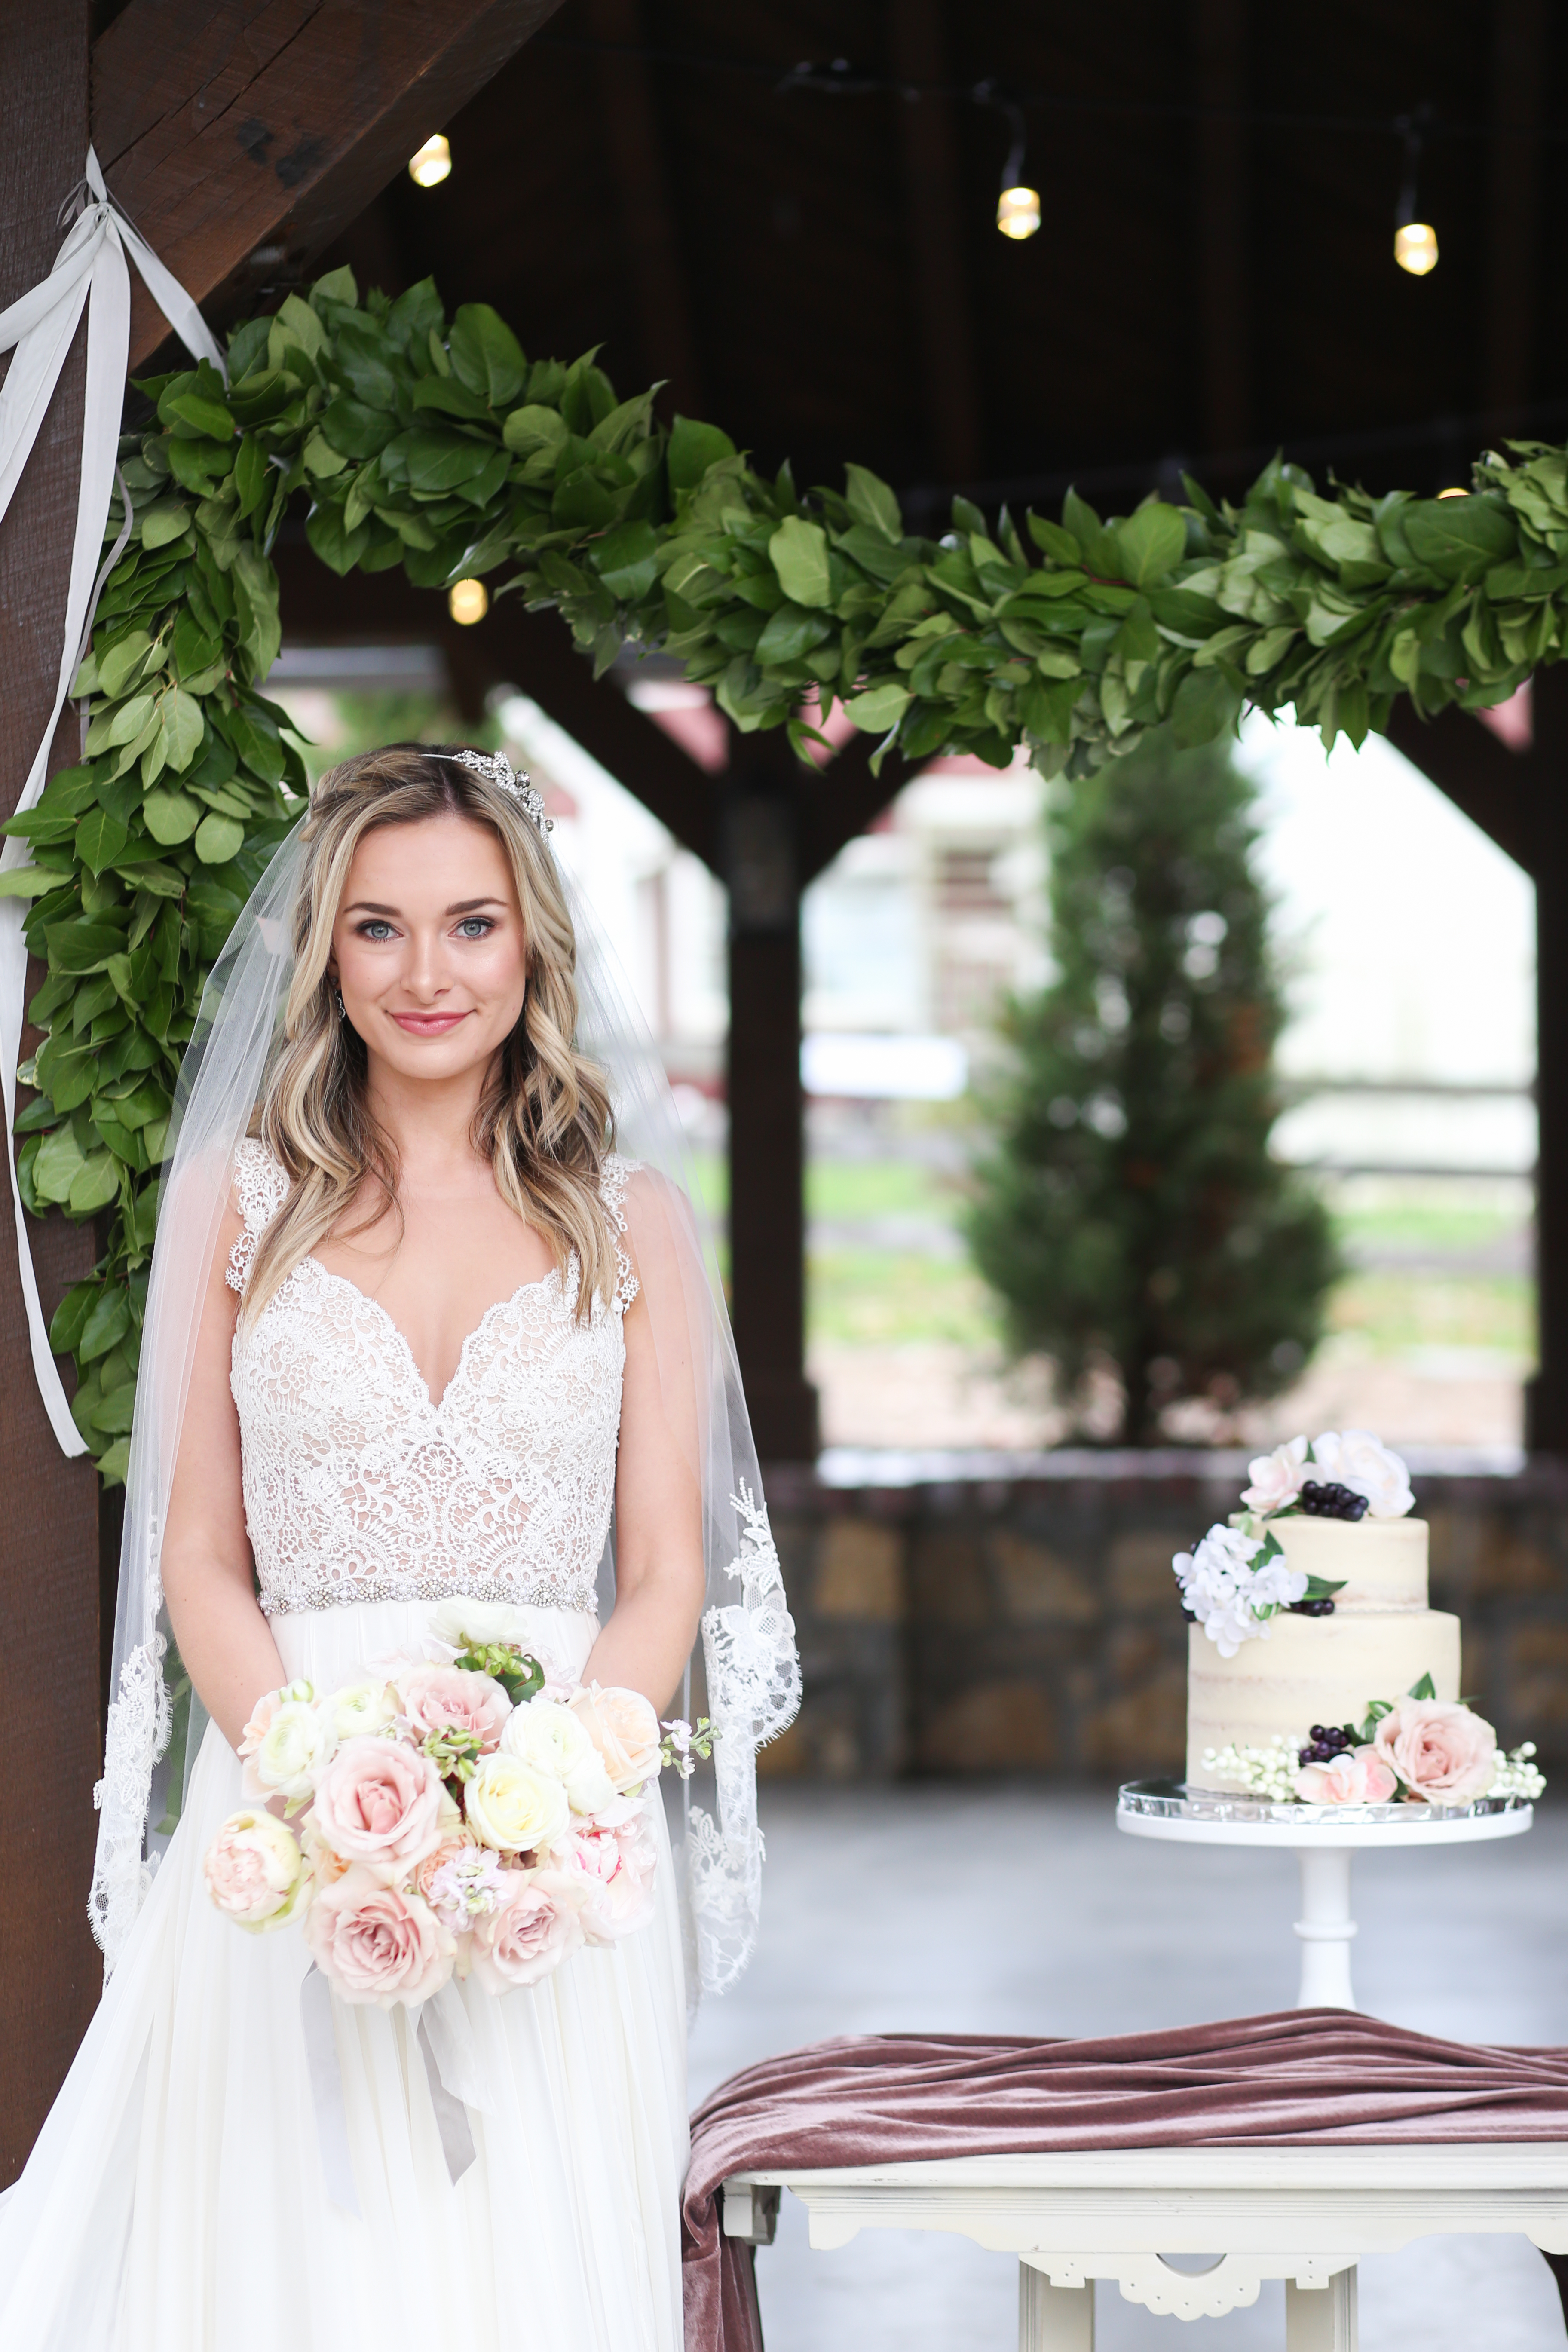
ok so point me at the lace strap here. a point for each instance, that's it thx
(613, 1177)
(260, 1188)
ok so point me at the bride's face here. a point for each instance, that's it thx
(428, 946)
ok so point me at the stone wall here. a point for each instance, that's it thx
(1029, 1623)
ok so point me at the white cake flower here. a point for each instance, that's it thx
(1356, 1459)
(1276, 1477)
(1229, 1579)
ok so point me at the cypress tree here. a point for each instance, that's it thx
(1129, 1212)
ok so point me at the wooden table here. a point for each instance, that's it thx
(1142, 2216)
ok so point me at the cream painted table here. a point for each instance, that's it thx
(1324, 1839)
(1150, 2219)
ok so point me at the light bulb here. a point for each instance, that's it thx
(1019, 211)
(430, 166)
(468, 602)
(1455, 493)
(1415, 248)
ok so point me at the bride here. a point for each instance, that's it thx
(416, 1331)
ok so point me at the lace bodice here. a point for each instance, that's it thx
(358, 1487)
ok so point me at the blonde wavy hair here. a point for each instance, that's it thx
(543, 1121)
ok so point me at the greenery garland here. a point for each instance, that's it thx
(435, 443)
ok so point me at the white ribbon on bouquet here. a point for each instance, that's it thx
(90, 269)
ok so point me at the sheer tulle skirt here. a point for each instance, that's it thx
(175, 2200)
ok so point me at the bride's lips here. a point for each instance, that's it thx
(428, 1025)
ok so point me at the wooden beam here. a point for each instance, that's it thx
(225, 125)
(659, 286)
(1494, 786)
(1519, 97)
(532, 651)
(918, 48)
(1219, 30)
(1546, 1395)
(49, 1617)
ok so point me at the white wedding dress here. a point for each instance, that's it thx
(175, 2200)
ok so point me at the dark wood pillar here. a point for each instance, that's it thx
(1546, 1404)
(767, 1134)
(50, 1973)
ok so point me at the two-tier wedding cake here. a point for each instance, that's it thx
(1310, 1606)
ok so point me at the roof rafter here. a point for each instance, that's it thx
(227, 125)
(653, 250)
(919, 51)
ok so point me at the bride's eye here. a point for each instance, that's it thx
(475, 927)
(376, 930)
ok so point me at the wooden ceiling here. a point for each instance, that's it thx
(819, 270)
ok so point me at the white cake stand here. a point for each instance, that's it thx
(1324, 1838)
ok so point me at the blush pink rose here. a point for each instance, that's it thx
(450, 1698)
(455, 1842)
(1359, 1776)
(1444, 1754)
(625, 1729)
(376, 1944)
(381, 1803)
(529, 1933)
(615, 1861)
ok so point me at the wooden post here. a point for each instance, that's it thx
(767, 1135)
(1546, 1401)
(48, 1506)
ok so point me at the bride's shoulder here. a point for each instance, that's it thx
(260, 1183)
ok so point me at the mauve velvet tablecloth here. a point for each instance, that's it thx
(1304, 2078)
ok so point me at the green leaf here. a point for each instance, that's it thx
(166, 522)
(114, 1467)
(1460, 537)
(82, 946)
(104, 1326)
(1152, 542)
(1052, 539)
(339, 550)
(70, 1315)
(250, 472)
(115, 667)
(26, 882)
(527, 429)
(791, 632)
(99, 838)
(799, 553)
(486, 358)
(1206, 704)
(878, 710)
(444, 461)
(694, 448)
(59, 1162)
(352, 430)
(871, 502)
(218, 838)
(625, 561)
(209, 416)
(183, 724)
(1426, 1687)
(172, 816)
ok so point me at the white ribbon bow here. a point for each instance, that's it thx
(90, 267)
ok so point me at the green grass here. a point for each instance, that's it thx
(877, 1188)
(1396, 1312)
(882, 1299)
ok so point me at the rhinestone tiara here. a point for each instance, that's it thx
(498, 769)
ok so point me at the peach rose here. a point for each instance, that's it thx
(1444, 1754)
(450, 1698)
(529, 1933)
(624, 1727)
(1358, 1775)
(381, 1803)
(458, 1840)
(615, 1864)
(375, 1943)
(255, 1872)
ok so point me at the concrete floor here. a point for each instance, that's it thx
(1022, 1910)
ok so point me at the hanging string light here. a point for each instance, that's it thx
(1018, 205)
(1415, 241)
(468, 602)
(432, 164)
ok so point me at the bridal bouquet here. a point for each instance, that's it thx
(462, 1813)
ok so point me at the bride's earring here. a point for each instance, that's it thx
(338, 1001)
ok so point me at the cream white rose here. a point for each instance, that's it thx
(462, 1623)
(550, 1737)
(296, 1747)
(1354, 1458)
(514, 1806)
(360, 1710)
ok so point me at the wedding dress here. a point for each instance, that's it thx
(176, 2199)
